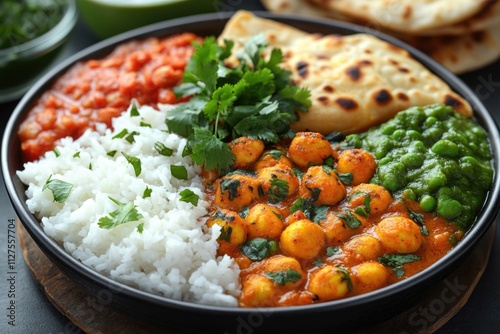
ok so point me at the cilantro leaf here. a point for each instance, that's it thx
(179, 172)
(351, 220)
(135, 162)
(126, 212)
(211, 151)
(278, 189)
(283, 277)
(60, 189)
(188, 196)
(256, 249)
(397, 260)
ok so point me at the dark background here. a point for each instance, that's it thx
(35, 314)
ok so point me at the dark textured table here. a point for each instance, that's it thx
(33, 313)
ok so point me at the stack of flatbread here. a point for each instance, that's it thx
(356, 81)
(463, 35)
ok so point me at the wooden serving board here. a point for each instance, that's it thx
(94, 316)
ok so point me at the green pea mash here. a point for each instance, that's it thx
(433, 155)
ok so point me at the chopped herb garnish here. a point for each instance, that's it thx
(76, 155)
(278, 190)
(120, 134)
(131, 137)
(179, 172)
(144, 124)
(57, 152)
(258, 249)
(283, 277)
(188, 196)
(60, 189)
(329, 161)
(397, 260)
(135, 162)
(351, 220)
(134, 111)
(230, 185)
(225, 233)
(255, 98)
(418, 218)
(90, 166)
(140, 228)
(364, 210)
(318, 262)
(276, 154)
(345, 277)
(163, 150)
(147, 192)
(126, 212)
(111, 153)
(330, 251)
(345, 178)
(244, 212)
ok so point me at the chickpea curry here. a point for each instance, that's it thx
(306, 225)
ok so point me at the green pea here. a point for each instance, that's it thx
(445, 148)
(439, 112)
(398, 134)
(428, 203)
(449, 208)
(388, 130)
(384, 161)
(408, 193)
(413, 135)
(419, 146)
(413, 160)
(430, 121)
(436, 179)
(432, 134)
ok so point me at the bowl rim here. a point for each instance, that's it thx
(60, 31)
(50, 247)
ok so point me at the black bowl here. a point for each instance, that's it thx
(350, 313)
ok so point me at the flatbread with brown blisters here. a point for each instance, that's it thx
(409, 16)
(356, 81)
(461, 53)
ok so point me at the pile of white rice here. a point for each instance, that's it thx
(175, 255)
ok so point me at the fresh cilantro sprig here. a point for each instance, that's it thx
(126, 212)
(396, 261)
(255, 98)
(60, 189)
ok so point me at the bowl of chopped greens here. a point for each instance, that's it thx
(32, 32)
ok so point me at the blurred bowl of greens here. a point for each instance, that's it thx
(32, 33)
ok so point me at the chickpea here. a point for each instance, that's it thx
(363, 248)
(380, 198)
(272, 158)
(264, 221)
(360, 163)
(236, 191)
(322, 184)
(336, 230)
(257, 291)
(282, 263)
(233, 227)
(329, 283)
(399, 234)
(278, 182)
(369, 276)
(309, 148)
(246, 151)
(302, 239)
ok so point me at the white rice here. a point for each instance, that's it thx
(175, 255)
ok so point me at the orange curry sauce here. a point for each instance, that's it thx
(328, 258)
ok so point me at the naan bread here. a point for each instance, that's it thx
(409, 16)
(463, 53)
(356, 81)
(302, 7)
(488, 18)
